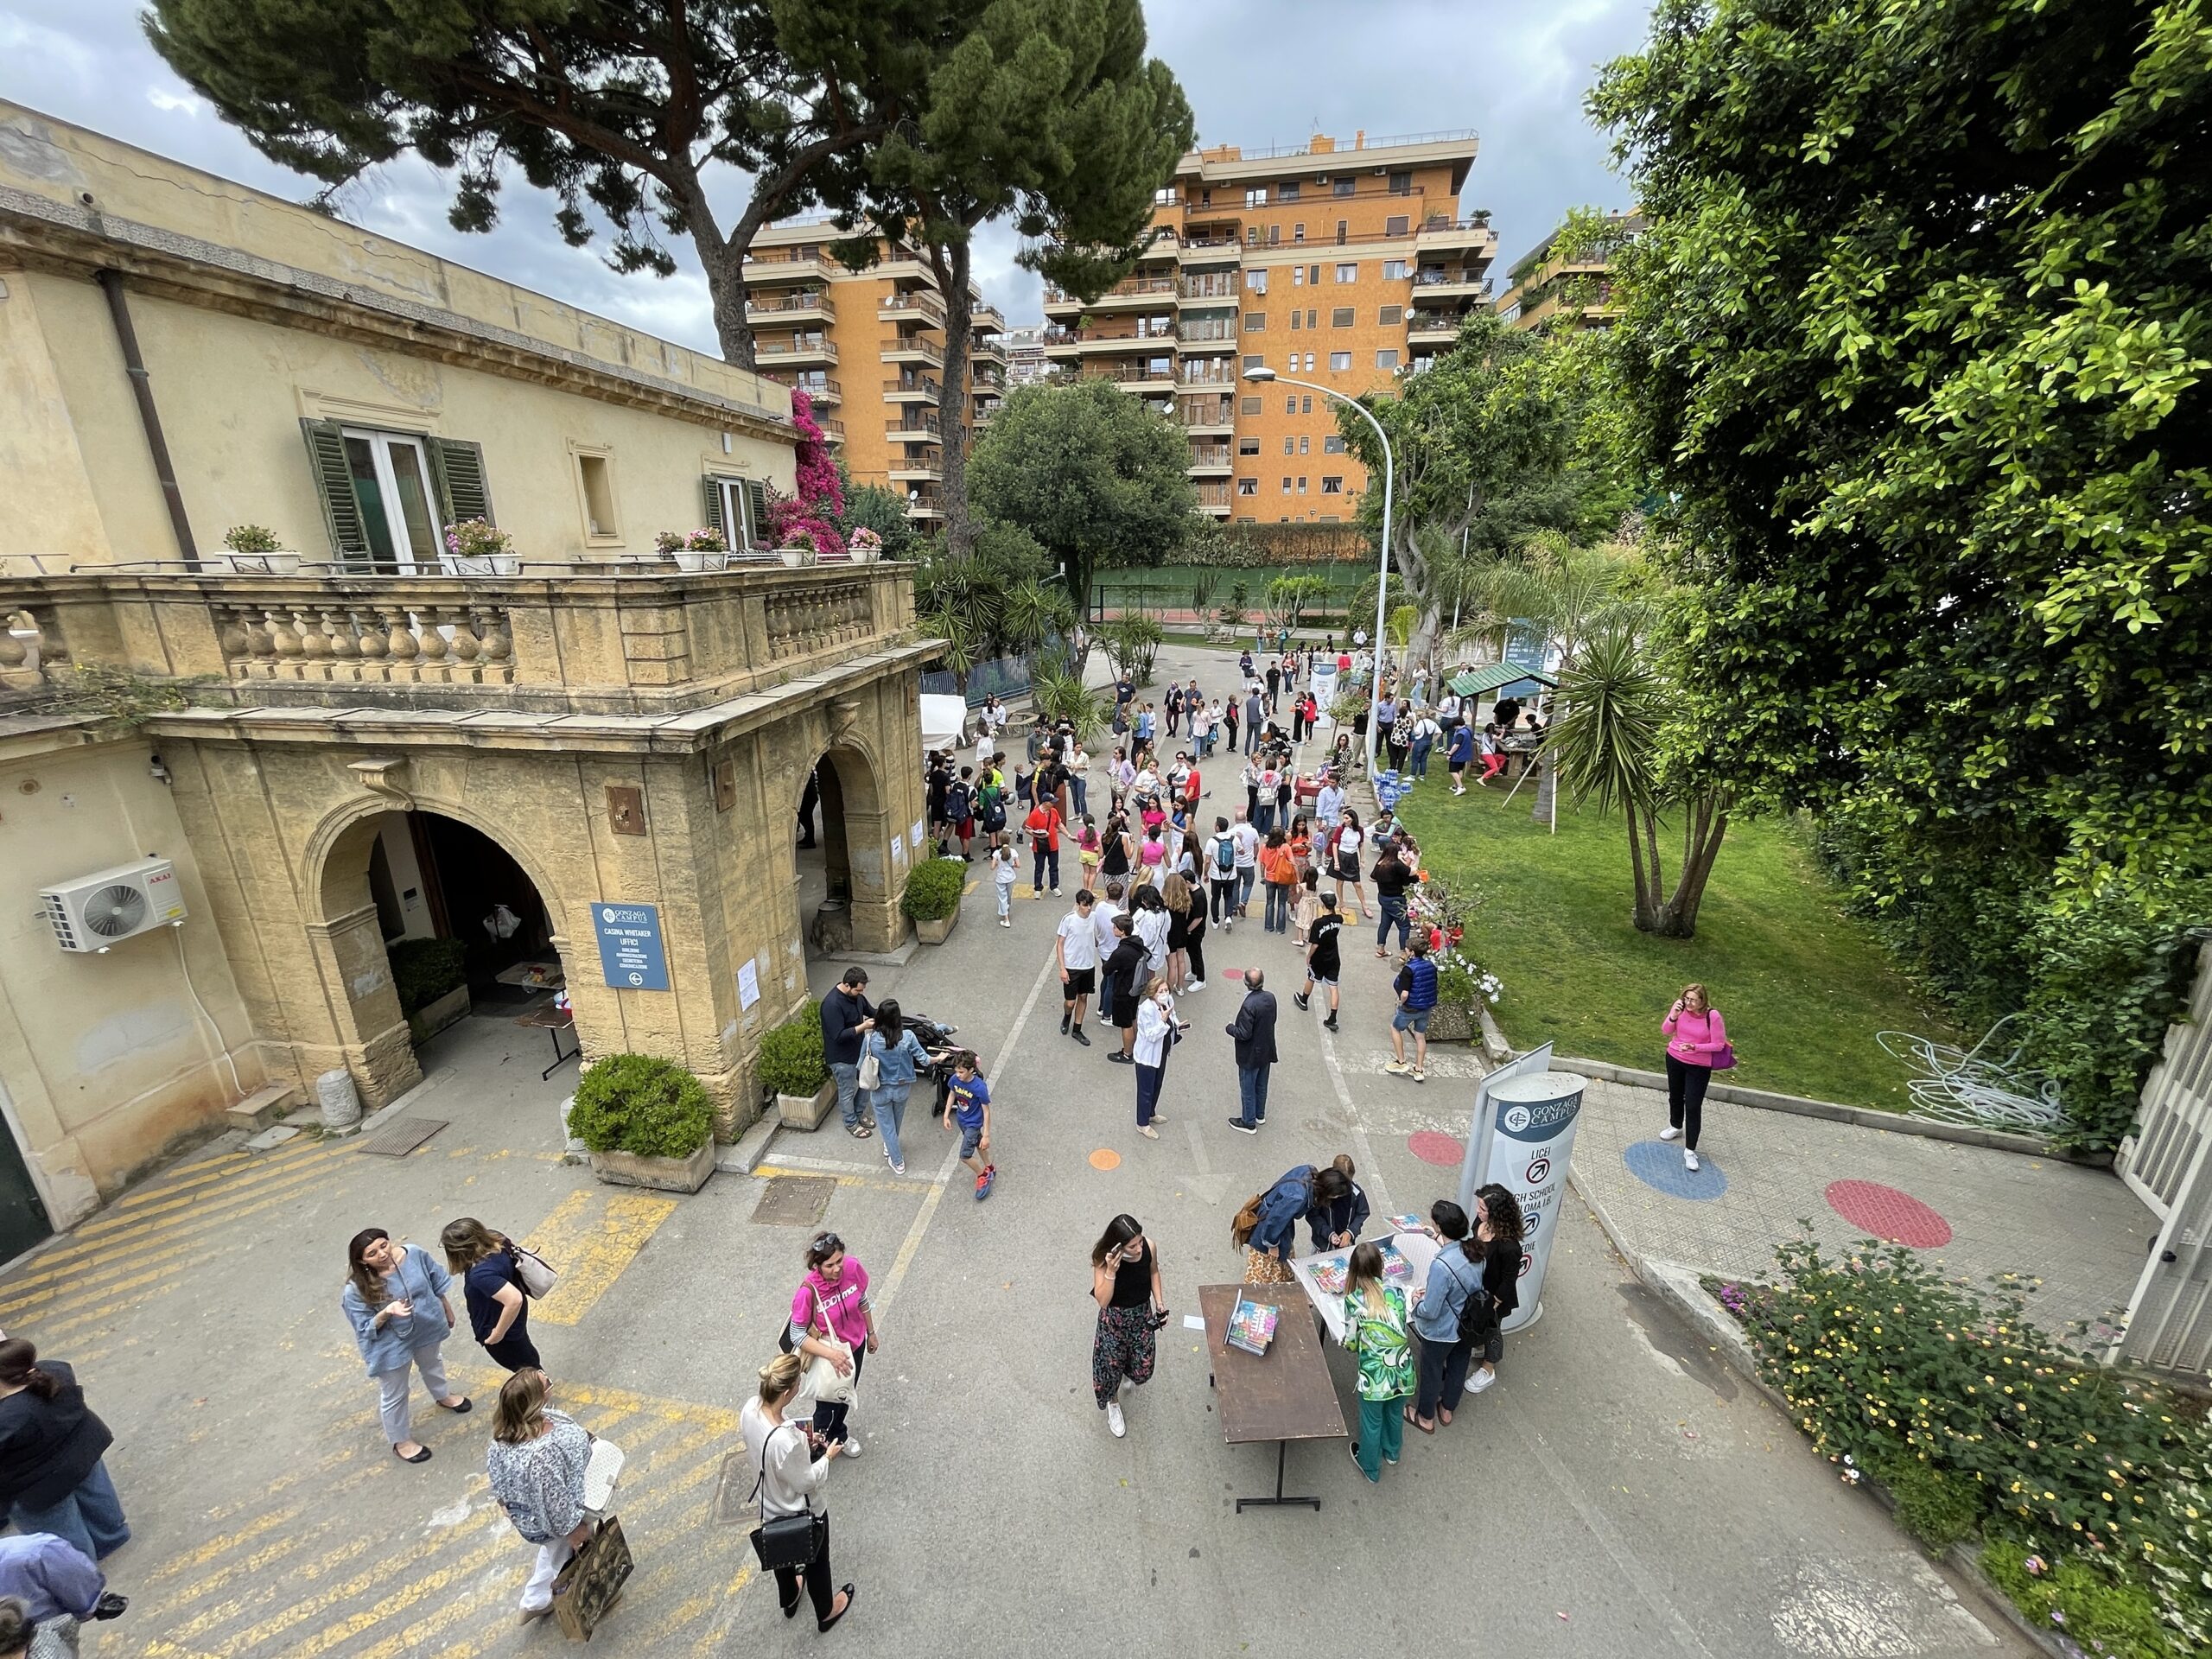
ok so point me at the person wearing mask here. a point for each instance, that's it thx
(832, 1319)
(899, 1057)
(1267, 1227)
(1392, 875)
(1339, 1220)
(1323, 961)
(537, 1464)
(1125, 1283)
(1125, 977)
(1453, 1276)
(57, 1587)
(395, 1300)
(1498, 1230)
(53, 1473)
(1375, 1336)
(1253, 1031)
(1696, 1037)
(1156, 1029)
(847, 1016)
(792, 1461)
(1416, 989)
(491, 1286)
(1075, 953)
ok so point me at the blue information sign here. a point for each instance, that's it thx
(630, 953)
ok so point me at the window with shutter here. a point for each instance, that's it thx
(334, 479)
(462, 490)
(756, 513)
(710, 495)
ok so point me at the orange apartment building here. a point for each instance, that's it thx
(869, 347)
(1546, 283)
(1347, 264)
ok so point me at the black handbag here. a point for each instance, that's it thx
(782, 1540)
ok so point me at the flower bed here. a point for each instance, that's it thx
(2085, 1490)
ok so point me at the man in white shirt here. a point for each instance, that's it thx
(1328, 806)
(1248, 859)
(1075, 950)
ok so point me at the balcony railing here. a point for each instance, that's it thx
(1127, 373)
(1208, 374)
(1428, 276)
(983, 377)
(798, 346)
(920, 425)
(833, 431)
(906, 384)
(1213, 495)
(1210, 455)
(1205, 414)
(796, 305)
(926, 306)
(914, 345)
(626, 636)
(1210, 328)
(1128, 287)
(1216, 286)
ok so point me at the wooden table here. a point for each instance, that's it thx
(556, 1020)
(1283, 1395)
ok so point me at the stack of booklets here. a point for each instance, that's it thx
(1330, 1273)
(1393, 1265)
(1407, 1224)
(1252, 1325)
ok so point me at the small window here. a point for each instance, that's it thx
(1255, 322)
(1256, 281)
(1248, 486)
(1397, 225)
(1290, 404)
(1255, 362)
(1332, 486)
(1343, 226)
(1313, 275)
(1256, 197)
(1248, 405)
(1164, 197)
(1247, 446)
(1348, 271)
(1392, 315)
(1333, 444)
(1306, 402)
(1343, 187)
(1304, 446)
(1340, 362)
(1297, 231)
(1206, 198)
(595, 481)
(1293, 319)
(1286, 193)
(1401, 184)
(1394, 270)
(1341, 317)
(1312, 317)
(1309, 362)
(1275, 235)
(1298, 275)
(1286, 485)
(1289, 446)
(1387, 359)
(1301, 487)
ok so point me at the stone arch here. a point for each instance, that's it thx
(859, 908)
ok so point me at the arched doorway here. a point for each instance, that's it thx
(841, 865)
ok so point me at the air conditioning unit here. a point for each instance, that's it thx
(99, 910)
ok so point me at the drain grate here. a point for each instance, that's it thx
(794, 1201)
(400, 1136)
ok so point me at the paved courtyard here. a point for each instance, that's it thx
(1615, 1493)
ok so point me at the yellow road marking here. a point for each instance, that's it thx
(221, 1167)
(593, 1262)
(100, 1226)
(885, 1183)
(713, 1638)
(214, 1546)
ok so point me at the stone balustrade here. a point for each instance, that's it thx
(452, 641)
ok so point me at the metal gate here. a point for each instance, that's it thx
(2168, 1162)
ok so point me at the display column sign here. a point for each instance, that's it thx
(631, 957)
(1528, 1145)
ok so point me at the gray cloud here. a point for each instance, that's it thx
(1257, 72)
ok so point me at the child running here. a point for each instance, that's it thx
(968, 1098)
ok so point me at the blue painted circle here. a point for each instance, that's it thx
(1658, 1165)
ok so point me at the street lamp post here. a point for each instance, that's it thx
(1266, 376)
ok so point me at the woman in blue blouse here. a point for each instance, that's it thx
(900, 1057)
(1268, 1226)
(395, 1298)
(1456, 1275)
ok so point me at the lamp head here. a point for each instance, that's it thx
(1259, 376)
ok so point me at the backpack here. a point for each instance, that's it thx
(1225, 856)
(1477, 1313)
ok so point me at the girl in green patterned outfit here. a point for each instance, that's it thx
(1374, 1333)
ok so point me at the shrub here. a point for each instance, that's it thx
(252, 539)
(933, 889)
(422, 971)
(477, 538)
(641, 1104)
(1931, 1506)
(790, 1056)
(2099, 1610)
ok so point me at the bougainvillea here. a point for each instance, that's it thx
(811, 514)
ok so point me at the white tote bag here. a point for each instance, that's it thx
(538, 1277)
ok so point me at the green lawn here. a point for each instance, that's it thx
(1803, 986)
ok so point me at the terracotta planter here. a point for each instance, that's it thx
(935, 933)
(661, 1174)
(432, 1017)
(807, 1111)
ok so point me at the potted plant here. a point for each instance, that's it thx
(646, 1121)
(253, 550)
(865, 545)
(695, 551)
(797, 553)
(474, 547)
(431, 978)
(794, 1076)
(932, 897)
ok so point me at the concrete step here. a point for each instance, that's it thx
(262, 1106)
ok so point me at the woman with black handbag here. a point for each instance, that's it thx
(1125, 1283)
(792, 1462)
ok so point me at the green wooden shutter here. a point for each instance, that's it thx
(710, 491)
(756, 505)
(461, 489)
(333, 480)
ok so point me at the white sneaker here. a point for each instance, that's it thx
(1670, 1133)
(1194, 986)
(1114, 1420)
(1479, 1380)
(852, 1445)
(1690, 1161)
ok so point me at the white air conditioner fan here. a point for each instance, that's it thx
(99, 910)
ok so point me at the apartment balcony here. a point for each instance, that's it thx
(1137, 377)
(987, 319)
(986, 349)
(1441, 231)
(1208, 335)
(542, 640)
(1131, 293)
(920, 426)
(1433, 327)
(917, 467)
(1208, 418)
(1211, 285)
(912, 389)
(985, 376)
(925, 503)
(1450, 282)
(790, 308)
(789, 270)
(983, 415)
(821, 389)
(833, 431)
(1061, 344)
(1207, 372)
(772, 351)
(1209, 247)
(912, 348)
(1214, 498)
(1208, 460)
(918, 306)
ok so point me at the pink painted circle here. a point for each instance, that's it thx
(1887, 1213)
(1443, 1150)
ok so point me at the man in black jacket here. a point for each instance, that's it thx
(1254, 1030)
(848, 1016)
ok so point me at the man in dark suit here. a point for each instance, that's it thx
(1254, 1030)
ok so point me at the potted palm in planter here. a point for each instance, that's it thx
(794, 1076)
(695, 551)
(646, 1122)
(932, 897)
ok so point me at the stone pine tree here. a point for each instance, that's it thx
(1047, 111)
(626, 108)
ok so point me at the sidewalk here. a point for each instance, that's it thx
(1974, 1212)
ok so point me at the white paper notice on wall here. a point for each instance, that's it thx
(914, 836)
(748, 985)
(898, 850)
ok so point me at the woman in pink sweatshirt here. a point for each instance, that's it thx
(1695, 1037)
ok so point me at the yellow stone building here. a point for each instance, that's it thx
(358, 739)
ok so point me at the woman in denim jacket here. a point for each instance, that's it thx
(395, 1300)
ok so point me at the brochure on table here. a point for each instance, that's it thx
(1418, 1248)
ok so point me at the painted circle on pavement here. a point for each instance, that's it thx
(1887, 1213)
(1658, 1165)
(1105, 1157)
(1446, 1151)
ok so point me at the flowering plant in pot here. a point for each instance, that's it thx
(475, 547)
(865, 545)
(703, 549)
(254, 550)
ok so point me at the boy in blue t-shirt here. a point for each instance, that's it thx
(967, 1098)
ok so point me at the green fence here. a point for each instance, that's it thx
(1174, 592)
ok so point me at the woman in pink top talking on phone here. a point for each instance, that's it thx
(1697, 1042)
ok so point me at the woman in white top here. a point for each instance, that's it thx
(792, 1463)
(1351, 841)
(1156, 1028)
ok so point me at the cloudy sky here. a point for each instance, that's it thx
(1257, 72)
